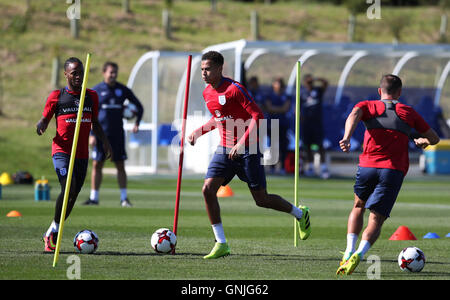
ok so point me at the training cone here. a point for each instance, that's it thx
(225, 191)
(5, 179)
(402, 234)
(14, 213)
(431, 235)
(448, 235)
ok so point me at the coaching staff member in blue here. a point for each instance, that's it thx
(112, 95)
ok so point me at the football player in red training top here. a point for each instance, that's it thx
(234, 110)
(64, 104)
(382, 165)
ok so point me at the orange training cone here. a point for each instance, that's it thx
(402, 234)
(225, 191)
(14, 213)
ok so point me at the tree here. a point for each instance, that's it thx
(354, 8)
(444, 5)
(397, 22)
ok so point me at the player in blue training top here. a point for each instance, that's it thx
(112, 96)
(278, 104)
(311, 124)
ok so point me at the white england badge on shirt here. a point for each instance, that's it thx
(222, 100)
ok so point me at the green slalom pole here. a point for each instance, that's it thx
(297, 148)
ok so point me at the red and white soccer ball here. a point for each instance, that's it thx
(86, 241)
(163, 240)
(411, 259)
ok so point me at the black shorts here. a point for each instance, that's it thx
(312, 133)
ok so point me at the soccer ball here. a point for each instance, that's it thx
(86, 241)
(129, 111)
(411, 259)
(163, 240)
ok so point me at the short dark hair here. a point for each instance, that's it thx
(72, 60)
(214, 56)
(110, 64)
(390, 84)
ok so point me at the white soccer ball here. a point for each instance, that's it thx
(163, 240)
(411, 259)
(129, 111)
(86, 241)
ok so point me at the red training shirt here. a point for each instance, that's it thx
(384, 148)
(64, 105)
(234, 112)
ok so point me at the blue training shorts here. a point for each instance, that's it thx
(378, 188)
(117, 142)
(61, 163)
(247, 167)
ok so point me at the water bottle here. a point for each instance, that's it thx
(45, 190)
(42, 190)
(38, 190)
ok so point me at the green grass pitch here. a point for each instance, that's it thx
(261, 240)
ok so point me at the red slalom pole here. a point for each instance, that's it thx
(183, 132)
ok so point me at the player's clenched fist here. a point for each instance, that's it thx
(41, 126)
(345, 145)
(192, 138)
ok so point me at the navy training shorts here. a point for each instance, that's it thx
(247, 167)
(117, 142)
(379, 188)
(312, 133)
(61, 163)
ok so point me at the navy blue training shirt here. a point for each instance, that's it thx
(111, 106)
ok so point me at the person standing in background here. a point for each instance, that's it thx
(112, 95)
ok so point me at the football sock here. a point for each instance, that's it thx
(123, 194)
(296, 212)
(364, 246)
(351, 242)
(219, 234)
(54, 227)
(94, 195)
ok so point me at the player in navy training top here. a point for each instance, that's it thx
(278, 104)
(112, 96)
(311, 123)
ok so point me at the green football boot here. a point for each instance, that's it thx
(304, 225)
(349, 266)
(345, 258)
(219, 250)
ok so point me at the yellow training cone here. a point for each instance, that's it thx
(14, 213)
(6, 179)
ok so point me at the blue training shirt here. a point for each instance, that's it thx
(311, 103)
(279, 100)
(111, 105)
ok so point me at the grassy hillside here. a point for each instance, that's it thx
(29, 41)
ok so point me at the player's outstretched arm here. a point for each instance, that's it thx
(350, 125)
(207, 127)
